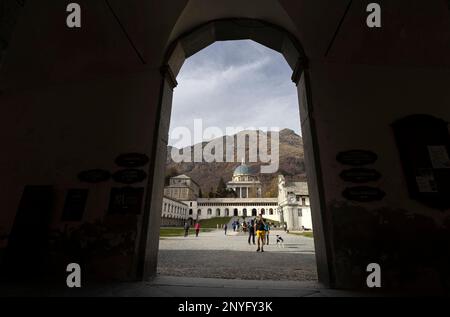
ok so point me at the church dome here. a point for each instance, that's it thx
(242, 170)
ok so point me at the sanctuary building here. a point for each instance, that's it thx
(292, 205)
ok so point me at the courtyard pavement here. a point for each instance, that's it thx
(214, 255)
(214, 265)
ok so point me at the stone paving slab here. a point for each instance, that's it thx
(214, 255)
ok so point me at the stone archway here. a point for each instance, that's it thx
(270, 36)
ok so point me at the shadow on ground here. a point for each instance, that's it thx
(242, 265)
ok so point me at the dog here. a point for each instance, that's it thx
(280, 241)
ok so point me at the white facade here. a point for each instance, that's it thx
(293, 200)
(182, 187)
(205, 208)
(174, 212)
(292, 205)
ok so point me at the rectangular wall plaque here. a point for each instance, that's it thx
(75, 204)
(126, 200)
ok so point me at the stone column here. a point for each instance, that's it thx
(291, 218)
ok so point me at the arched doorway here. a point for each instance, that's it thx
(270, 36)
(235, 212)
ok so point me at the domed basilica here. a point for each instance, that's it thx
(245, 183)
(181, 201)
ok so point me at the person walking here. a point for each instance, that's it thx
(197, 228)
(251, 232)
(186, 228)
(267, 229)
(225, 227)
(260, 233)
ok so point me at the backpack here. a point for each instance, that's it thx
(261, 226)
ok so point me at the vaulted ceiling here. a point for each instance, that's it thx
(118, 36)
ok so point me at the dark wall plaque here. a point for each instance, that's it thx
(75, 204)
(424, 146)
(126, 200)
(129, 176)
(363, 193)
(360, 175)
(131, 160)
(94, 176)
(356, 157)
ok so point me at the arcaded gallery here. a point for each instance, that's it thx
(86, 96)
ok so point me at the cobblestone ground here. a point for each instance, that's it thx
(214, 255)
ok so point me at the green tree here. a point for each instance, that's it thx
(231, 193)
(221, 189)
(272, 189)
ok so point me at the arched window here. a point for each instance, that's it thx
(199, 212)
(235, 212)
(217, 212)
(244, 212)
(254, 212)
(263, 211)
(209, 211)
(270, 211)
(227, 212)
(190, 211)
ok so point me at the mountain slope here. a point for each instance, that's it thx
(207, 175)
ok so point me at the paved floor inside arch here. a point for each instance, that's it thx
(214, 255)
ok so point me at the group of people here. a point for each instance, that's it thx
(236, 225)
(187, 226)
(258, 228)
(261, 229)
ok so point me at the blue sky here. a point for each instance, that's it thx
(236, 84)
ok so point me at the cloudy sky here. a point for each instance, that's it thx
(235, 84)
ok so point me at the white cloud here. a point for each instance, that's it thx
(236, 83)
